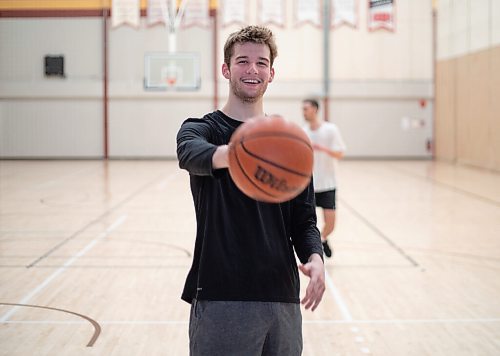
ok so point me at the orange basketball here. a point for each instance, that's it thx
(270, 159)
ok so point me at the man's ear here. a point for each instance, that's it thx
(225, 71)
(271, 77)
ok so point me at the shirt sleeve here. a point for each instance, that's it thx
(194, 149)
(338, 143)
(305, 235)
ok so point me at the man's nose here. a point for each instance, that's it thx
(252, 68)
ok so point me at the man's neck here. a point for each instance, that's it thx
(315, 124)
(242, 111)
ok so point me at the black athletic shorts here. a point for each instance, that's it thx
(326, 200)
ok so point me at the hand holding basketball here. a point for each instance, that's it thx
(270, 159)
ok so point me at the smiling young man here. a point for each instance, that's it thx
(243, 285)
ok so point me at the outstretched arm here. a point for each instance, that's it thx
(220, 159)
(194, 148)
(331, 153)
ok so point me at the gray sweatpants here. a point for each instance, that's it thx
(245, 329)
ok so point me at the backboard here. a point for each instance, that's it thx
(172, 71)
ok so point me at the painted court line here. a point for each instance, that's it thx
(61, 269)
(338, 298)
(344, 310)
(96, 220)
(185, 322)
(164, 184)
(95, 324)
(111, 322)
(406, 321)
(379, 233)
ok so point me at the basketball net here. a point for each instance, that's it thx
(171, 74)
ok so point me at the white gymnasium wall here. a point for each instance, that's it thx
(50, 117)
(377, 81)
(63, 118)
(467, 26)
(405, 55)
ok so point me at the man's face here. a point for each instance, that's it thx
(250, 71)
(309, 111)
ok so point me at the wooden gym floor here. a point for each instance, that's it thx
(93, 257)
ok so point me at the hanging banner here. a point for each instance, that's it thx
(196, 14)
(307, 11)
(155, 11)
(381, 15)
(344, 12)
(234, 12)
(125, 12)
(271, 12)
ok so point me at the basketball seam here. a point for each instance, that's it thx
(277, 134)
(242, 143)
(249, 179)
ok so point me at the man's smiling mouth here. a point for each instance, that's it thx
(251, 81)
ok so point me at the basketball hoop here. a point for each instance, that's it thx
(171, 81)
(171, 70)
(170, 73)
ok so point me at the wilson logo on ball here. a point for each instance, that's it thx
(267, 178)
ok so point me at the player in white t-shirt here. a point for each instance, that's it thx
(328, 148)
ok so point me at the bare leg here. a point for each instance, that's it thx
(329, 220)
(329, 224)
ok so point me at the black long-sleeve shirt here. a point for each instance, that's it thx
(244, 249)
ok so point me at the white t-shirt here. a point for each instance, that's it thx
(327, 135)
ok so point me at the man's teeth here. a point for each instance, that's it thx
(251, 81)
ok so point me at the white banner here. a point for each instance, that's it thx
(381, 15)
(344, 12)
(154, 12)
(234, 12)
(307, 11)
(271, 12)
(196, 14)
(125, 12)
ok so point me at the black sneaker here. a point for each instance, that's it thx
(326, 249)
